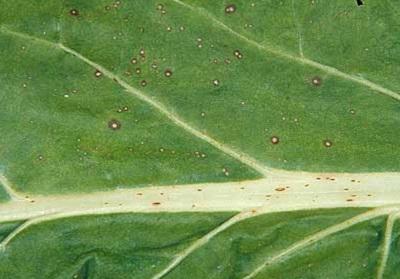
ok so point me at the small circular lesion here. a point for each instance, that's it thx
(74, 12)
(114, 124)
(327, 143)
(316, 81)
(275, 140)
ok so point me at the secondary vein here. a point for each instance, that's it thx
(369, 215)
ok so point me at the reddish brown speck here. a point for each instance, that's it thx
(156, 203)
(280, 189)
(349, 200)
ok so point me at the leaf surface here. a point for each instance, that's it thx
(148, 139)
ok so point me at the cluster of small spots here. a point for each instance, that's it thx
(161, 9)
(230, 9)
(225, 171)
(238, 54)
(123, 109)
(200, 155)
(248, 25)
(114, 124)
(115, 5)
(199, 42)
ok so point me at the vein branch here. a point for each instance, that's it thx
(9, 189)
(298, 59)
(296, 247)
(386, 244)
(299, 31)
(202, 241)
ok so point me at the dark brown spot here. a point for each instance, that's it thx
(280, 189)
(74, 12)
(156, 203)
(316, 81)
(230, 9)
(114, 124)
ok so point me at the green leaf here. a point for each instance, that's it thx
(199, 139)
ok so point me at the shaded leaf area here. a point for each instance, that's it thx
(108, 246)
(354, 253)
(393, 263)
(236, 93)
(3, 194)
(7, 228)
(239, 250)
(142, 245)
